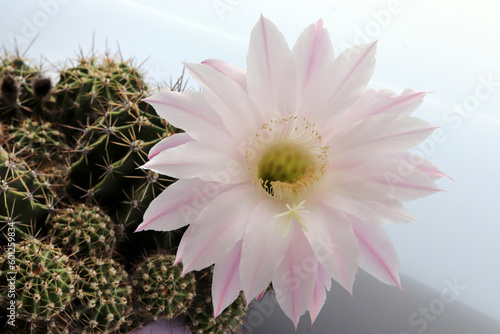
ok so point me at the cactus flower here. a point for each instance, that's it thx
(287, 171)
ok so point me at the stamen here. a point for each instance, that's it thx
(286, 158)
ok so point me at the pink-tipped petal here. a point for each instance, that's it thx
(202, 160)
(263, 248)
(219, 226)
(169, 142)
(237, 111)
(226, 283)
(229, 70)
(271, 74)
(323, 284)
(189, 111)
(312, 52)
(177, 206)
(377, 255)
(397, 177)
(379, 134)
(340, 83)
(423, 165)
(259, 297)
(295, 277)
(374, 102)
(334, 243)
(182, 245)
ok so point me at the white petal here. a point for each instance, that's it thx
(188, 111)
(323, 284)
(377, 255)
(350, 194)
(378, 134)
(374, 102)
(177, 206)
(271, 70)
(397, 177)
(169, 142)
(295, 277)
(386, 211)
(423, 165)
(182, 245)
(333, 242)
(219, 226)
(226, 284)
(229, 70)
(240, 116)
(312, 52)
(263, 248)
(200, 160)
(337, 87)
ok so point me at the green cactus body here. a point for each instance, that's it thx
(200, 316)
(42, 327)
(83, 230)
(37, 142)
(112, 149)
(23, 88)
(108, 172)
(25, 196)
(43, 280)
(92, 85)
(160, 290)
(103, 296)
(200, 319)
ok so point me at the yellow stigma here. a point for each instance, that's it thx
(287, 158)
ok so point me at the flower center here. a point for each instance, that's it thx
(284, 162)
(286, 158)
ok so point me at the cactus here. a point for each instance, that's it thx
(107, 171)
(25, 196)
(54, 326)
(23, 88)
(103, 296)
(82, 142)
(200, 316)
(37, 142)
(83, 230)
(92, 85)
(111, 150)
(42, 276)
(160, 290)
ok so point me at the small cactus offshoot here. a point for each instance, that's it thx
(83, 230)
(103, 296)
(43, 279)
(160, 290)
(200, 316)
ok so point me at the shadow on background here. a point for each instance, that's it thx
(376, 308)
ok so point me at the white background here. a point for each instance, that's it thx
(450, 48)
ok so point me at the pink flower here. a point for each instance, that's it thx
(288, 170)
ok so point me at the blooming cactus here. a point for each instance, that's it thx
(288, 169)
